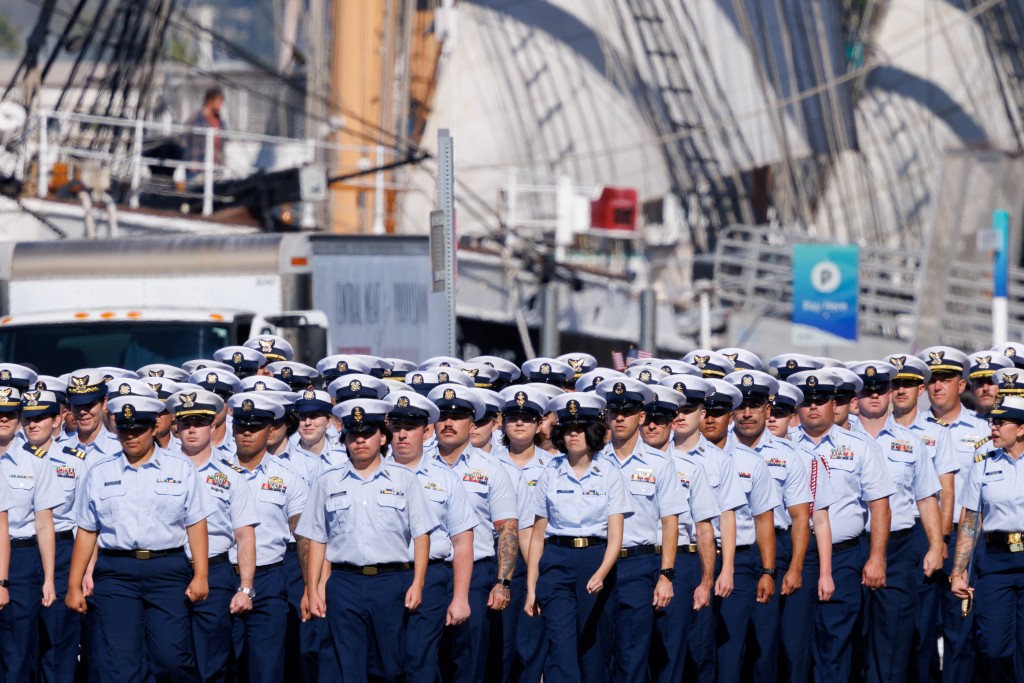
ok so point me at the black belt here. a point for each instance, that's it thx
(576, 541)
(636, 550)
(781, 532)
(141, 554)
(291, 547)
(68, 535)
(691, 549)
(32, 541)
(214, 561)
(846, 545)
(739, 549)
(372, 569)
(484, 560)
(902, 533)
(1005, 541)
(263, 567)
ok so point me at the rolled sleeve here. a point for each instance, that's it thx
(703, 503)
(619, 500)
(422, 519)
(875, 481)
(671, 497)
(243, 510)
(199, 504)
(764, 496)
(313, 522)
(501, 496)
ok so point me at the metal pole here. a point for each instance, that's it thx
(208, 174)
(446, 203)
(1000, 277)
(133, 200)
(705, 319)
(648, 321)
(44, 152)
(549, 330)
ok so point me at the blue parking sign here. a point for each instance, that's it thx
(825, 292)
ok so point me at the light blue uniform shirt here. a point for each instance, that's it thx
(965, 432)
(305, 463)
(820, 480)
(995, 488)
(367, 521)
(937, 443)
(758, 488)
(579, 507)
(104, 444)
(702, 503)
(34, 487)
(449, 501)
(280, 494)
(858, 475)
(528, 474)
(721, 471)
(910, 468)
(143, 508)
(70, 463)
(790, 473)
(491, 493)
(654, 487)
(235, 506)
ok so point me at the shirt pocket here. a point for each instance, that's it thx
(110, 503)
(275, 498)
(644, 489)
(23, 488)
(391, 509)
(170, 501)
(339, 514)
(901, 467)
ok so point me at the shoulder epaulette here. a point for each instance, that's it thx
(39, 452)
(982, 442)
(941, 423)
(981, 456)
(77, 452)
(233, 466)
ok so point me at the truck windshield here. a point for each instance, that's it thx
(62, 347)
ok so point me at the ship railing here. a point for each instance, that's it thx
(65, 144)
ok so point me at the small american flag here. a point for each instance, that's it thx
(617, 361)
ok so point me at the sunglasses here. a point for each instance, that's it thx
(817, 400)
(880, 389)
(625, 411)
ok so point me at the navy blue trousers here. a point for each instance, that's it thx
(796, 618)
(211, 624)
(700, 644)
(367, 617)
(258, 634)
(734, 614)
(579, 627)
(836, 621)
(924, 658)
(672, 624)
(763, 644)
(999, 615)
(524, 645)
(426, 625)
(464, 647)
(890, 613)
(634, 616)
(302, 640)
(959, 637)
(19, 630)
(62, 627)
(141, 617)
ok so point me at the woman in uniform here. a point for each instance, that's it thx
(581, 502)
(140, 505)
(993, 501)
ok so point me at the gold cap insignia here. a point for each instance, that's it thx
(573, 407)
(748, 380)
(403, 402)
(128, 411)
(124, 390)
(355, 385)
(898, 361)
(645, 375)
(791, 364)
(260, 386)
(417, 379)
(449, 394)
(701, 361)
(308, 395)
(619, 388)
(266, 345)
(236, 357)
(520, 398)
(212, 378)
(442, 377)
(31, 398)
(357, 414)
(156, 373)
(188, 400)
(247, 406)
(286, 373)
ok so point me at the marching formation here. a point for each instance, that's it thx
(716, 518)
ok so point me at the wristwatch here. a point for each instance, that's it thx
(4, 583)
(505, 583)
(669, 574)
(772, 572)
(251, 592)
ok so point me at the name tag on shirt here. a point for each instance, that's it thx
(565, 492)
(994, 475)
(594, 492)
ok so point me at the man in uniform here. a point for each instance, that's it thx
(862, 487)
(891, 607)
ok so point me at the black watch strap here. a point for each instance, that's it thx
(773, 572)
(505, 583)
(4, 583)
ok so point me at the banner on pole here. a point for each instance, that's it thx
(825, 293)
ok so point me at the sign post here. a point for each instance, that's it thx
(1000, 277)
(444, 218)
(825, 294)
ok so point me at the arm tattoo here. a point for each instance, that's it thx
(969, 532)
(508, 546)
(303, 549)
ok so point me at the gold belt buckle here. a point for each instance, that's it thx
(1014, 540)
(623, 554)
(370, 571)
(580, 542)
(692, 548)
(141, 554)
(657, 550)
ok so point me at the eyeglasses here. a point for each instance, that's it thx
(999, 423)
(132, 429)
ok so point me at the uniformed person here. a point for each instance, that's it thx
(743, 359)
(711, 364)
(372, 522)
(87, 400)
(62, 628)
(790, 475)
(450, 569)
(848, 385)
(548, 371)
(245, 361)
(274, 348)
(35, 492)
(496, 537)
(965, 429)
(695, 552)
(522, 410)
(589, 380)
(140, 506)
(862, 487)
(581, 501)
(907, 387)
(701, 658)
(224, 384)
(993, 503)
(297, 376)
(782, 415)
(718, 406)
(280, 492)
(163, 371)
(982, 364)
(891, 607)
(230, 525)
(581, 363)
(786, 364)
(644, 579)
